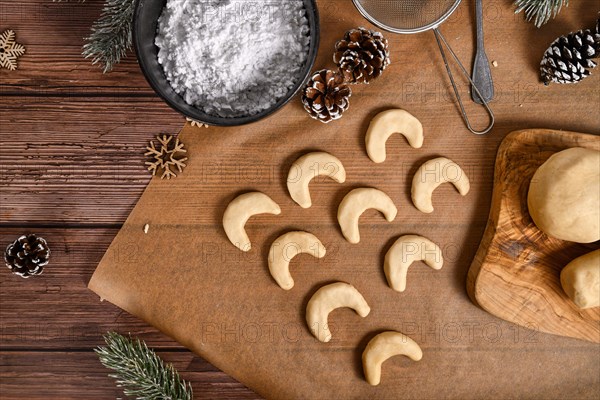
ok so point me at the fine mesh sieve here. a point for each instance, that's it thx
(414, 16)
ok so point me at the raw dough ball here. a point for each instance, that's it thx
(580, 280)
(564, 195)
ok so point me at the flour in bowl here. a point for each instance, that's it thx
(232, 58)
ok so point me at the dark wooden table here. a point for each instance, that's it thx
(71, 170)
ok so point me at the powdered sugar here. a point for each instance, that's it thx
(232, 58)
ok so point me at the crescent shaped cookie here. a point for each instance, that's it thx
(240, 210)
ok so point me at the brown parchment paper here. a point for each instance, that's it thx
(185, 278)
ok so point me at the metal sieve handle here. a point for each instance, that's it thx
(440, 39)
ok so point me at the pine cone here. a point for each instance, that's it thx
(27, 255)
(325, 96)
(569, 58)
(362, 55)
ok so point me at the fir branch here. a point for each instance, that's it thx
(111, 35)
(140, 371)
(540, 10)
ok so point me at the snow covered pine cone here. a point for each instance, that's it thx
(569, 58)
(325, 96)
(27, 255)
(362, 55)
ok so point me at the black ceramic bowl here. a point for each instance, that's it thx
(145, 23)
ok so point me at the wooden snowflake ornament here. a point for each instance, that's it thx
(166, 157)
(9, 50)
(193, 122)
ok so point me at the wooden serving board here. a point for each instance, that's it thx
(516, 272)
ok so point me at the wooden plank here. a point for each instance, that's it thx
(76, 160)
(53, 34)
(79, 375)
(56, 310)
(84, 154)
(57, 158)
(62, 313)
(80, 160)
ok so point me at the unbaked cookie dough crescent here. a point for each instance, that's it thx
(384, 125)
(384, 346)
(239, 211)
(285, 248)
(431, 175)
(327, 299)
(308, 167)
(356, 203)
